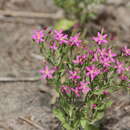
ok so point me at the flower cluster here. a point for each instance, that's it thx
(105, 58)
(82, 75)
(83, 88)
(60, 36)
(56, 37)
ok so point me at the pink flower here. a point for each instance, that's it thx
(84, 87)
(80, 59)
(76, 91)
(104, 56)
(74, 40)
(106, 92)
(66, 89)
(94, 106)
(38, 36)
(120, 67)
(100, 39)
(73, 75)
(99, 54)
(126, 51)
(90, 52)
(123, 77)
(102, 52)
(60, 36)
(110, 55)
(53, 46)
(46, 73)
(105, 61)
(92, 71)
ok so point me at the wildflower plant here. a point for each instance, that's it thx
(83, 76)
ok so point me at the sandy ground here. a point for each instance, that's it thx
(23, 99)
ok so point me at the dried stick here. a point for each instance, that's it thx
(20, 20)
(31, 123)
(30, 14)
(19, 79)
(39, 57)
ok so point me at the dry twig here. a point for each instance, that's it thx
(39, 57)
(31, 123)
(17, 79)
(30, 14)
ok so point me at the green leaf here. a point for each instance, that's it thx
(59, 114)
(86, 125)
(64, 24)
(83, 123)
(98, 117)
(76, 124)
(98, 92)
(67, 126)
(102, 107)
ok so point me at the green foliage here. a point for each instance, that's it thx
(64, 24)
(81, 10)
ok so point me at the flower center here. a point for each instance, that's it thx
(38, 35)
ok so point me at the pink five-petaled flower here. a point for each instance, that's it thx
(106, 57)
(99, 54)
(60, 36)
(53, 46)
(110, 55)
(92, 71)
(46, 73)
(38, 36)
(105, 62)
(120, 67)
(74, 75)
(126, 51)
(100, 39)
(74, 40)
(80, 59)
(84, 87)
(66, 89)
